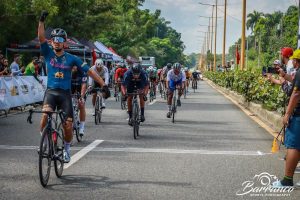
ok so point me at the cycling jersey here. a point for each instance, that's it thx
(195, 74)
(131, 84)
(171, 76)
(165, 71)
(60, 68)
(120, 72)
(159, 72)
(175, 79)
(152, 74)
(78, 79)
(187, 75)
(103, 74)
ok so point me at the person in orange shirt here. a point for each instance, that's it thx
(188, 76)
(119, 75)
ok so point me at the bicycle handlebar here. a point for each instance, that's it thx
(61, 114)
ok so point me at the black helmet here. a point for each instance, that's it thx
(177, 66)
(58, 32)
(136, 68)
(169, 65)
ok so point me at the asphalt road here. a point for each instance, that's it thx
(210, 151)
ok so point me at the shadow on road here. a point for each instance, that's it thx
(91, 181)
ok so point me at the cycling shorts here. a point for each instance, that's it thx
(96, 85)
(173, 84)
(59, 99)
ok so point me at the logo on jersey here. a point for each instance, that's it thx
(59, 75)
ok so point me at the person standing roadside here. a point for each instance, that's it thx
(15, 66)
(291, 120)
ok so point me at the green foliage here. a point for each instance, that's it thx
(270, 32)
(252, 86)
(121, 24)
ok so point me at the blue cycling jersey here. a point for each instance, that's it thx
(60, 68)
(130, 82)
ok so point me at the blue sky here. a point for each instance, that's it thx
(184, 17)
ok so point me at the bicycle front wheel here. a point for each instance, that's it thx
(97, 111)
(135, 116)
(45, 158)
(59, 152)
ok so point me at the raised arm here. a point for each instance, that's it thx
(41, 27)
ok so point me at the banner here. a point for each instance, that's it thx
(20, 90)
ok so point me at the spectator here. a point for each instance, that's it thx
(15, 66)
(232, 65)
(286, 85)
(5, 70)
(32, 69)
(42, 66)
(291, 119)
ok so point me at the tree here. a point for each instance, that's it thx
(253, 19)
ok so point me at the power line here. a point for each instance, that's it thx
(231, 15)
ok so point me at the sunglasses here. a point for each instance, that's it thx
(58, 39)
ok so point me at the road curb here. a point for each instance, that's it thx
(270, 121)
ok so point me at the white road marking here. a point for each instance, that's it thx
(153, 102)
(17, 147)
(182, 151)
(92, 147)
(82, 153)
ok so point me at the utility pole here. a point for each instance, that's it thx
(215, 56)
(224, 35)
(212, 27)
(243, 36)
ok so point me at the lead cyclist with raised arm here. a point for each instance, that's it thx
(59, 68)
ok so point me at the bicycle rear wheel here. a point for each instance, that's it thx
(45, 158)
(59, 153)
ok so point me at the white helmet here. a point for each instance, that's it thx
(150, 68)
(99, 63)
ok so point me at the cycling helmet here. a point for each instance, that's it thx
(151, 68)
(136, 69)
(186, 69)
(58, 32)
(99, 63)
(169, 65)
(177, 66)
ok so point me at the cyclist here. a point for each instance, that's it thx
(195, 77)
(119, 75)
(153, 78)
(187, 76)
(135, 78)
(175, 79)
(59, 68)
(164, 74)
(79, 85)
(102, 71)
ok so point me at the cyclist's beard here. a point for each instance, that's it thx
(58, 50)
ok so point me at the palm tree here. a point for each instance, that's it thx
(253, 19)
